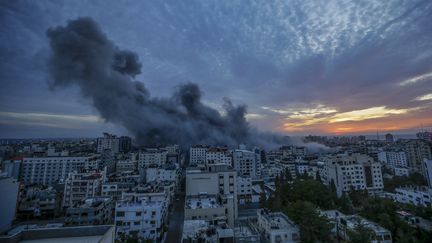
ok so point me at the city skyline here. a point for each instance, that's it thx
(300, 67)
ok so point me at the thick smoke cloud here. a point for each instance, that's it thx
(83, 55)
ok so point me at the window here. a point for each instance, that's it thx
(138, 213)
(120, 214)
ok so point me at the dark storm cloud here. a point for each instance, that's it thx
(83, 55)
(346, 55)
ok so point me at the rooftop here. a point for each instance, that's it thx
(198, 202)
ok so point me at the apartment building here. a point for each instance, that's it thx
(108, 142)
(79, 186)
(216, 155)
(48, 170)
(353, 172)
(141, 218)
(216, 182)
(150, 157)
(246, 164)
(197, 154)
(417, 150)
(91, 211)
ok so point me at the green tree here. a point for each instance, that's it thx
(313, 226)
(288, 175)
(360, 235)
(318, 177)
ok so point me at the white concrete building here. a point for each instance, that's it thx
(244, 189)
(171, 173)
(416, 196)
(344, 223)
(216, 181)
(277, 227)
(141, 218)
(393, 159)
(396, 161)
(246, 164)
(428, 170)
(151, 157)
(47, 170)
(108, 142)
(9, 188)
(91, 211)
(354, 172)
(197, 154)
(400, 171)
(126, 165)
(79, 186)
(216, 155)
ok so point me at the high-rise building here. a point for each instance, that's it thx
(108, 142)
(125, 144)
(197, 154)
(417, 150)
(48, 170)
(211, 194)
(245, 163)
(393, 159)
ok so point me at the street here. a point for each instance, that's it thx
(175, 227)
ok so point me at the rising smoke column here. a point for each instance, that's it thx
(82, 55)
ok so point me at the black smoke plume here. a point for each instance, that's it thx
(83, 55)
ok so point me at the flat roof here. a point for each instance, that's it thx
(202, 202)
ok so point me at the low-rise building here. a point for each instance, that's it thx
(277, 227)
(91, 211)
(141, 218)
(37, 201)
(419, 196)
(343, 224)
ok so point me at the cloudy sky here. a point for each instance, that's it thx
(301, 67)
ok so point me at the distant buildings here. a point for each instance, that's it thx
(389, 138)
(108, 142)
